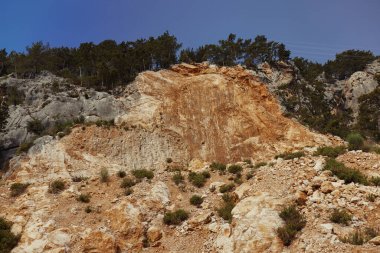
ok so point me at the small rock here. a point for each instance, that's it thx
(326, 228)
(375, 240)
(154, 234)
(327, 187)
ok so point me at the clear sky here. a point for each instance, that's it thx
(314, 29)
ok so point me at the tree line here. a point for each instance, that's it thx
(109, 64)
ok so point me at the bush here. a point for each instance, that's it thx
(226, 188)
(355, 141)
(249, 175)
(218, 166)
(56, 186)
(35, 126)
(143, 173)
(371, 197)
(332, 152)
(248, 161)
(77, 179)
(178, 178)
(294, 222)
(127, 183)
(8, 240)
(196, 200)
(104, 175)
(261, 164)
(85, 198)
(24, 147)
(121, 173)
(18, 188)
(290, 156)
(225, 210)
(375, 181)
(175, 218)
(197, 179)
(235, 169)
(128, 191)
(347, 174)
(340, 216)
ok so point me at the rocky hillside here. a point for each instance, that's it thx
(130, 186)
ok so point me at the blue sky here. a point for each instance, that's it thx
(314, 29)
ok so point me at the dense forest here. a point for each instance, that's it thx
(109, 64)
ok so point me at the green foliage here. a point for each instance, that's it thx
(84, 198)
(235, 169)
(290, 156)
(14, 96)
(375, 181)
(24, 147)
(371, 197)
(359, 237)
(178, 178)
(3, 111)
(77, 179)
(355, 141)
(175, 218)
(18, 188)
(8, 240)
(308, 69)
(332, 152)
(121, 173)
(35, 126)
(347, 174)
(206, 174)
(104, 175)
(218, 166)
(369, 114)
(347, 62)
(143, 173)
(260, 164)
(197, 179)
(340, 216)
(225, 209)
(128, 191)
(249, 175)
(56, 186)
(294, 222)
(226, 188)
(196, 200)
(127, 183)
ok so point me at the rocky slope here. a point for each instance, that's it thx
(175, 120)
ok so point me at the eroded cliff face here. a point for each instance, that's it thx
(217, 114)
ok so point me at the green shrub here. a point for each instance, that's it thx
(332, 152)
(8, 240)
(359, 237)
(294, 222)
(88, 209)
(197, 179)
(56, 186)
(18, 188)
(206, 174)
(104, 175)
(347, 174)
(290, 156)
(226, 188)
(85, 198)
(225, 210)
(128, 191)
(77, 179)
(355, 141)
(260, 164)
(196, 200)
(143, 173)
(24, 147)
(178, 178)
(121, 173)
(371, 197)
(35, 126)
(127, 183)
(248, 161)
(175, 218)
(234, 169)
(375, 181)
(218, 166)
(249, 175)
(340, 216)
